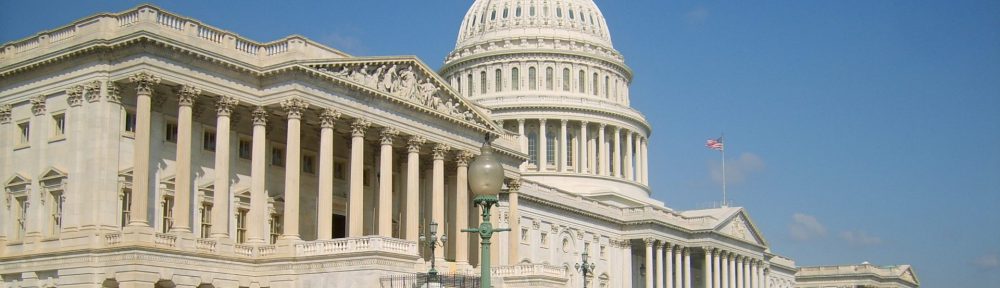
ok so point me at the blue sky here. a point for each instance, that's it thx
(856, 130)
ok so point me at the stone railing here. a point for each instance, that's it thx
(113, 239)
(207, 245)
(888, 271)
(355, 245)
(162, 23)
(569, 99)
(164, 239)
(528, 270)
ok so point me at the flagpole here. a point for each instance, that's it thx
(724, 202)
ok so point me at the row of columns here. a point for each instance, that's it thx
(595, 155)
(732, 270)
(294, 108)
(669, 265)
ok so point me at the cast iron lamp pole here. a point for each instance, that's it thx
(485, 181)
(585, 268)
(431, 242)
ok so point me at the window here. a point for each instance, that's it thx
(570, 147)
(499, 81)
(275, 224)
(571, 14)
(504, 13)
(277, 156)
(531, 11)
(245, 147)
(130, 121)
(468, 85)
(308, 164)
(58, 125)
(56, 211)
(548, 78)
(593, 88)
(22, 216)
(168, 213)
(338, 170)
(171, 133)
(514, 79)
(25, 129)
(532, 147)
(532, 83)
(458, 84)
(565, 79)
(604, 252)
(558, 12)
(582, 82)
(607, 85)
(524, 235)
(550, 148)
(517, 12)
(208, 140)
(241, 225)
(544, 240)
(493, 15)
(482, 82)
(126, 202)
(206, 219)
(586, 247)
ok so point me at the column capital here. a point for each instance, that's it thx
(564, 121)
(513, 185)
(541, 121)
(114, 93)
(359, 126)
(602, 125)
(224, 105)
(74, 96)
(93, 89)
(520, 121)
(618, 129)
(650, 242)
(38, 104)
(413, 144)
(439, 151)
(328, 117)
(462, 158)
(144, 82)
(709, 250)
(187, 94)
(259, 116)
(5, 114)
(294, 105)
(584, 123)
(386, 135)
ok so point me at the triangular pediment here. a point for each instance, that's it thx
(17, 179)
(909, 275)
(53, 173)
(408, 80)
(739, 226)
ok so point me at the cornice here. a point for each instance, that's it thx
(485, 56)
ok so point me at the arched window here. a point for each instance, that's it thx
(531, 11)
(570, 147)
(505, 13)
(493, 15)
(532, 147)
(498, 82)
(482, 82)
(558, 12)
(594, 85)
(550, 147)
(517, 11)
(468, 85)
(582, 82)
(565, 79)
(515, 79)
(548, 78)
(458, 84)
(532, 83)
(571, 14)
(607, 86)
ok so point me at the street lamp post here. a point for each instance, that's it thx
(485, 181)
(431, 242)
(585, 268)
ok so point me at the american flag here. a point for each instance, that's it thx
(714, 144)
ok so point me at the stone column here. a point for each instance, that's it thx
(746, 273)
(732, 270)
(140, 172)
(645, 162)
(258, 173)
(761, 277)
(638, 159)
(687, 267)
(514, 190)
(523, 140)
(753, 274)
(413, 187)
(72, 218)
(582, 148)
(626, 262)
(724, 272)
(221, 198)
(658, 261)
(324, 197)
(462, 201)
(356, 200)
(603, 150)
(707, 267)
(6, 143)
(385, 182)
(437, 192)
(543, 145)
(716, 272)
(563, 147)
(186, 97)
(668, 265)
(294, 106)
(629, 171)
(618, 152)
(678, 266)
(649, 262)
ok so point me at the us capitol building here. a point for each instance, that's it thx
(148, 149)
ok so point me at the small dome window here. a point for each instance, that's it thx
(558, 12)
(531, 11)
(517, 12)
(493, 15)
(591, 19)
(571, 13)
(504, 13)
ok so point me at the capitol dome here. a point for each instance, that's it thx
(578, 20)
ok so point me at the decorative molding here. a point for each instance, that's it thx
(328, 117)
(439, 151)
(93, 89)
(114, 93)
(414, 143)
(294, 106)
(513, 185)
(5, 113)
(387, 134)
(359, 127)
(224, 105)
(38, 104)
(259, 116)
(462, 158)
(187, 95)
(144, 82)
(74, 96)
